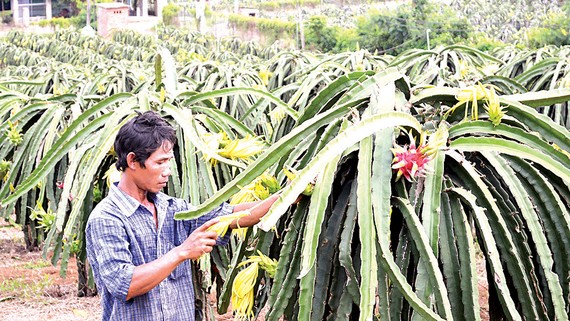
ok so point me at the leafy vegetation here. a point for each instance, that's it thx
(169, 13)
(420, 159)
(274, 29)
(509, 20)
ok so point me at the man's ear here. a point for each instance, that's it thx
(131, 162)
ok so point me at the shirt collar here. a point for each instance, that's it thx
(128, 204)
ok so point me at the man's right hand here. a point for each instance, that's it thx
(200, 242)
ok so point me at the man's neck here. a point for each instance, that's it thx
(130, 188)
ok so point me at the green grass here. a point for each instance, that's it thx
(37, 264)
(20, 287)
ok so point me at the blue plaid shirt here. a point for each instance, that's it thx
(121, 234)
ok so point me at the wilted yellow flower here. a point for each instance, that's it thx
(246, 194)
(244, 282)
(463, 69)
(264, 76)
(243, 148)
(45, 218)
(437, 141)
(268, 264)
(270, 182)
(493, 107)
(471, 96)
(162, 94)
(240, 233)
(212, 140)
(100, 88)
(259, 189)
(242, 292)
(292, 174)
(277, 114)
(5, 169)
(222, 226)
(13, 133)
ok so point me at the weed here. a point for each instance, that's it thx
(37, 264)
(23, 288)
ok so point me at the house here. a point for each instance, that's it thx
(26, 11)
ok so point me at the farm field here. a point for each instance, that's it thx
(436, 181)
(32, 288)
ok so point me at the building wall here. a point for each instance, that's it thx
(26, 11)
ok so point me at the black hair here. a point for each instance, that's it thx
(142, 135)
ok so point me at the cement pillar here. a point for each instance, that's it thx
(49, 14)
(144, 8)
(200, 16)
(15, 11)
(26, 15)
(159, 6)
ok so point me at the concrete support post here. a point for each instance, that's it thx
(26, 15)
(144, 4)
(15, 11)
(159, 6)
(49, 13)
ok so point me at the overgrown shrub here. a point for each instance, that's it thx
(287, 4)
(483, 42)
(170, 13)
(319, 36)
(273, 29)
(554, 30)
(408, 27)
(346, 40)
(55, 23)
(6, 16)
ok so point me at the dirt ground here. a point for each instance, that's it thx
(32, 289)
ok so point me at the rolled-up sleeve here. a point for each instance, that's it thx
(109, 247)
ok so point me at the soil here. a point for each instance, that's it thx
(31, 288)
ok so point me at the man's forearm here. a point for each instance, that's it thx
(149, 275)
(257, 211)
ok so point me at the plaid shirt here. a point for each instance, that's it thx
(121, 234)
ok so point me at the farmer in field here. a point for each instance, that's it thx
(139, 254)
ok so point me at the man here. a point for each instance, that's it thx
(140, 255)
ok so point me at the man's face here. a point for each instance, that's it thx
(154, 176)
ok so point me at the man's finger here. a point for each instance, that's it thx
(211, 235)
(206, 225)
(210, 241)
